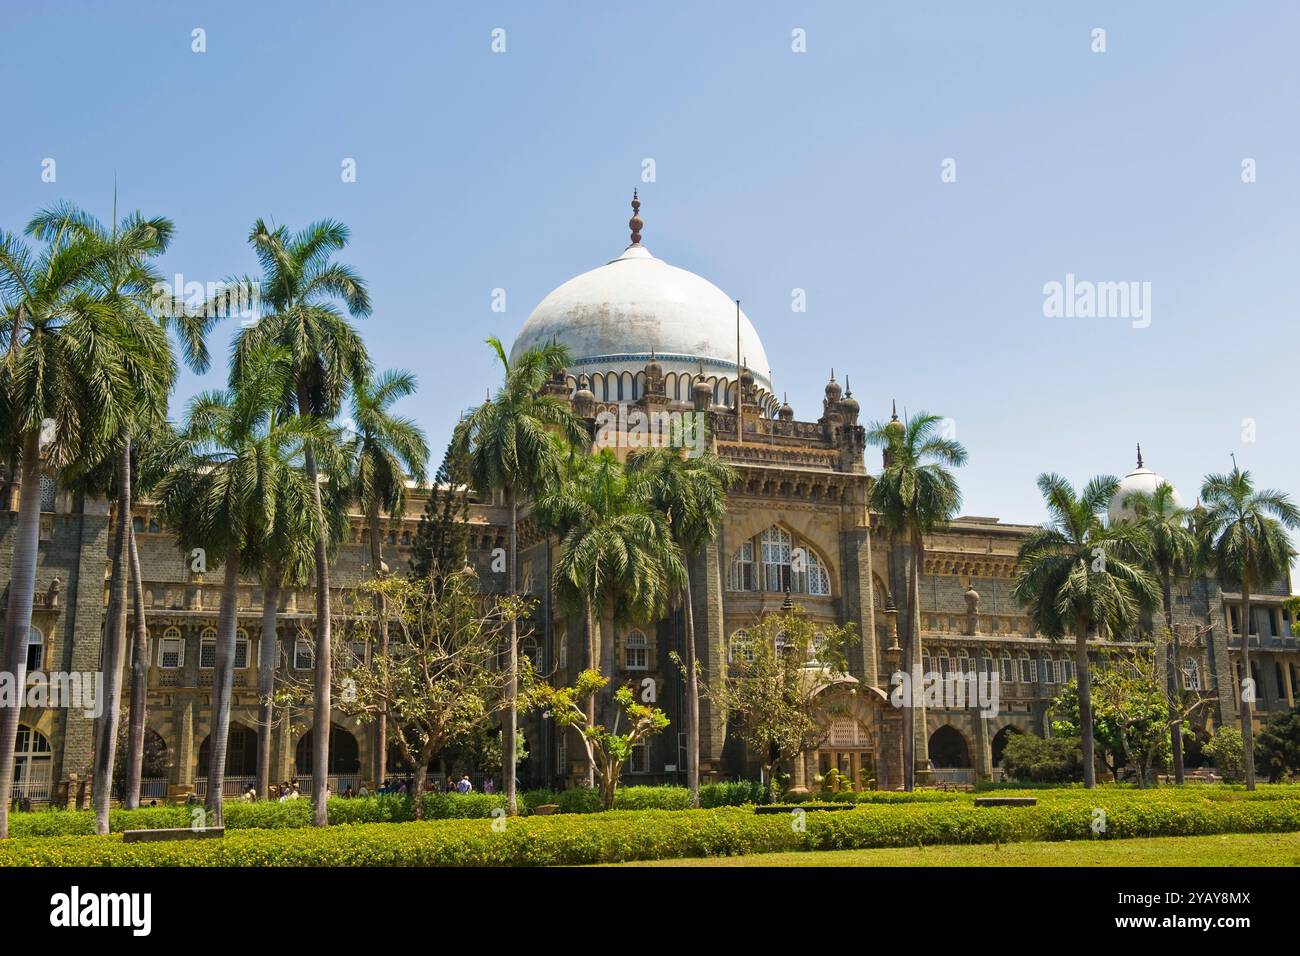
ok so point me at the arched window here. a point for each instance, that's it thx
(925, 664)
(741, 575)
(775, 544)
(1007, 672)
(171, 649)
(810, 575)
(241, 648)
(781, 642)
(1026, 670)
(35, 649)
(944, 665)
(963, 663)
(1047, 669)
(208, 647)
(636, 652)
(529, 648)
(986, 664)
(1067, 670)
(741, 650)
(304, 655)
(1191, 675)
(32, 764)
(48, 491)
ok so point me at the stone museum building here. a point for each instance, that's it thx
(654, 337)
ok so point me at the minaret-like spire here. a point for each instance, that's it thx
(636, 223)
(893, 414)
(848, 389)
(1139, 454)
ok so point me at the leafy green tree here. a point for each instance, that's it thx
(692, 492)
(1034, 759)
(1075, 577)
(508, 446)
(439, 683)
(607, 749)
(1244, 538)
(388, 448)
(616, 553)
(914, 494)
(770, 694)
(1130, 712)
(1226, 751)
(78, 363)
(1277, 748)
(300, 294)
(1171, 552)
(242, 450)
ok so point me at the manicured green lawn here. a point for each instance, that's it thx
(1234, 849)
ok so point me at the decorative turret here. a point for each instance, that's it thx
(833, 389)
(785, 413)
(849, 404)
(894, 424)
(701, 394)
(584, 400)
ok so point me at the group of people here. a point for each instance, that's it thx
(286, 791)
(432, 785)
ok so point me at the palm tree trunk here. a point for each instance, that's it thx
(139, 682)
(381, 615)
(114, 652)
(18, 622)
(1175, 697)
(914, 656)
(1247, 723)
(223, 678)
(1084, 677)
(692, 698)
(321, 714)
(268, 658)
(591, 700)
(512, 676)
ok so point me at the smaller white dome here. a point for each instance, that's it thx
(1141, 479)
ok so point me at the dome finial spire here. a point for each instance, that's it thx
(636, 223)
(1139, 454)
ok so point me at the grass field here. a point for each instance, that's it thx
(1237, 849)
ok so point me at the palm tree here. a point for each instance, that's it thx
(1075, 576)
(284, 556)
(299, 293)
(509, 447)
(692, 492)
(1244, 537)
(616, 552)
(240, 467)
(387, 449)
(1170, 547)
(914, 494)
(76, 363)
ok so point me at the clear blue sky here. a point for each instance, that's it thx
(775, 170)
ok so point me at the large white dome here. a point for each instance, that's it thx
(615, 317)
(1140, 479)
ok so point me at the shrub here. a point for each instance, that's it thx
(732, 794)
(1277, 748)
(1052, 760)
(1226, 750)
(659, 834)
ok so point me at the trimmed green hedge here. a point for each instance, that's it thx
(392, 808)
(660, 834)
